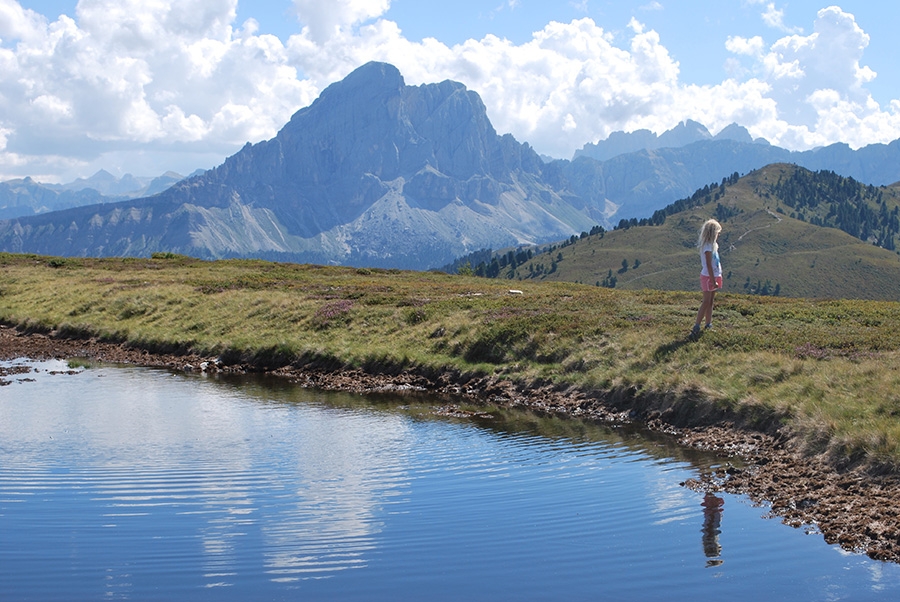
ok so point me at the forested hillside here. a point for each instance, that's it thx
(859, 210)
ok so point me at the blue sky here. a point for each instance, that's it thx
(181, 84)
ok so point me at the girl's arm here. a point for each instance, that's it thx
(707, 256)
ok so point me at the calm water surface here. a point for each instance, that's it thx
(132, 483)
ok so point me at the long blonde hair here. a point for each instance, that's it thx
(708, 233)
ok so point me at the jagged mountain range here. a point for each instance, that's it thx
(378, 173)
(25, 196)
(128, 186)
(686, 132)
(674, 164)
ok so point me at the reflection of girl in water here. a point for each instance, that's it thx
(712, 518)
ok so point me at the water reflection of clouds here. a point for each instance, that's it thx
(671, 502)
(671, 506)
(285, 489)
(344, 469)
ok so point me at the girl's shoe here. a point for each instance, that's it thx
(709, 326)
(695, 331)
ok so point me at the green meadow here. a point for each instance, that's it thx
(824, 372)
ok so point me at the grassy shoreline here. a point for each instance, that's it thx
(822, 373)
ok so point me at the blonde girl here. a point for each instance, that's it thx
(710, 271)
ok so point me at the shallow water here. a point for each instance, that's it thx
(135, 483)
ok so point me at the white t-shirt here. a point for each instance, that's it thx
(716, 265)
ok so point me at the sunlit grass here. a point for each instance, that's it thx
(826, 370)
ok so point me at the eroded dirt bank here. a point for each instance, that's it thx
(857, 511)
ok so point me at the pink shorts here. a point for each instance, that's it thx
(706, 283)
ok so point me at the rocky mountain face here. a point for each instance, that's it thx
(374, 172)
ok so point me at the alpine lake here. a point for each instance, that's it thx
(134, 483)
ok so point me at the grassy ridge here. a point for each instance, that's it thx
(760, 242)
(826, 369)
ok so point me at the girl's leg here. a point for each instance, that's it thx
(709, 305)
(705, 307)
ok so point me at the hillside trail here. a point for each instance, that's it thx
(731, 247)
(642, 276)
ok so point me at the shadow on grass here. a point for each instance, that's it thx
(664, 351)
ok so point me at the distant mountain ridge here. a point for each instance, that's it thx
(374, 172)
(641, 172)
(25, 196)
(378, 173)
(128, 186)
(686, 132)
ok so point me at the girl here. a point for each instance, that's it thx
(710, 272)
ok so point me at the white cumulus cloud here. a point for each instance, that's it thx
(818, 84)
(135, 78)
(147, 86)
(748, 46)
(326, 19)
(19, 23)
(774, 16)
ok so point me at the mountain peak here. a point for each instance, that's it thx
(735, 132)
(373, 72)
(372, 145)
(368, 78)
(686, 132)
(365, 85)
(620, 143)
(101, 176)
(371, 122)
